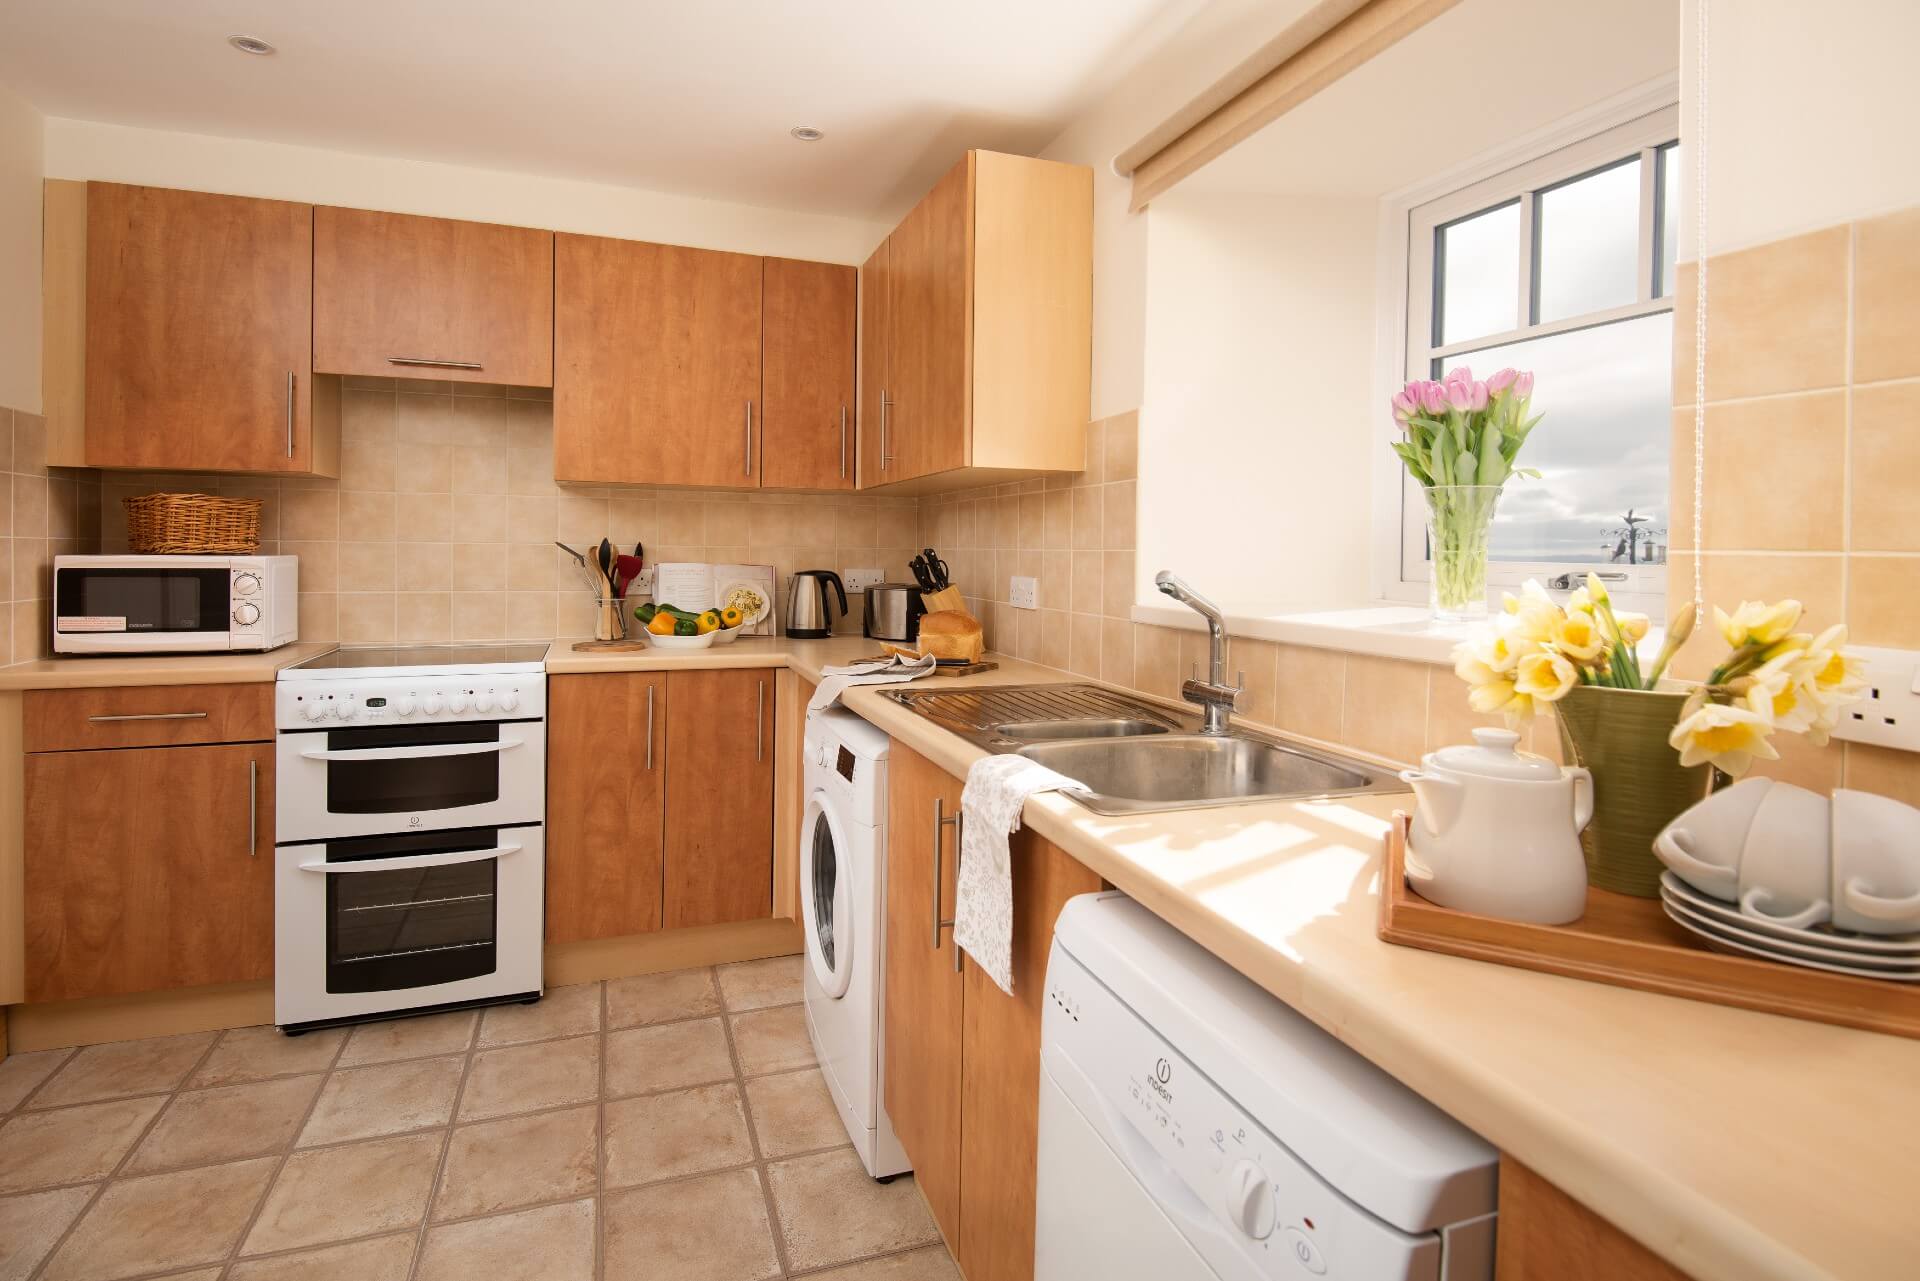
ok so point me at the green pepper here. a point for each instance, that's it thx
(685, 627)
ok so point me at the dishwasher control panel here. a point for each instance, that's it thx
(1236, 1192)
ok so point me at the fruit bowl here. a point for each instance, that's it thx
(728, 635)
(679, 642)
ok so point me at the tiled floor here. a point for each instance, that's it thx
(671, 1127)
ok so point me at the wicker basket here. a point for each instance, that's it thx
(185, 524)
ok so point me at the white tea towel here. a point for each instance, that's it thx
(894, 668)
(997, 788)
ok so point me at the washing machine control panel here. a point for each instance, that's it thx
(1246, 1197)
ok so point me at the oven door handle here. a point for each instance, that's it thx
(413, 860)
(424, 752)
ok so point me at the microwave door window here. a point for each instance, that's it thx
(412, 784)
(150, 600)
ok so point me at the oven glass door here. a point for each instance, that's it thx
(413, 911)
(407, 769)
(154, 600)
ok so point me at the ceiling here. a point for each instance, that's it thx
(673, 95)
(1479, 76)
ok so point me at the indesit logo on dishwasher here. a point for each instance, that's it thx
(1158, 1078)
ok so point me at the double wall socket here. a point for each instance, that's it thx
(1023, 593)
(858, 580)
(1888, 713)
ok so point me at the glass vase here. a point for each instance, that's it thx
(1459, 521)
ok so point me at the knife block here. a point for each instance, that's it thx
(946, 598)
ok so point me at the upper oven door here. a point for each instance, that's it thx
(379, 779)
(142, 606)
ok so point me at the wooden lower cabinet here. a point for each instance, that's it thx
(1544, 1232)
(719, 832)
(606, 802)
(148, 868)
(963, 1057)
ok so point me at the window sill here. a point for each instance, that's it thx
(1386, 630)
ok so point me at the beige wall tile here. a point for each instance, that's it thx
(30, 506)
(1777, 316)
(1120, 516)
(1309, 691)
(1886, 297)
(479, 518)
(423, 567)
(533, 566)
(367, 618)
(319, 616)
(533, 519)
(1116, 651)
(1818, 769)
(1883, 600)
(1886, 467)
(368, 517)
(1254, 663)
(1056, 518)
(478, 567)
(1122, 446)
(1883, 770)
(1815, 581)
(1089, 521)
(1156, 660)
(424, 616)
(1774, 475)
(1116, 584)
(423, 419)
(421, 467)
(1083, 648)
(1096, 469)
(1386, 707)
(1056, 579)
(1032, 509)
(310, 514)
(29, 444)
(530, 616)
(480, 469)
(319, 565)
(1056, 638)
(366, 464)
(479, 615)
(1089, 582)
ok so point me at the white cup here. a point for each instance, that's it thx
(1786, 867)
(1703, 845)
(1876, 864)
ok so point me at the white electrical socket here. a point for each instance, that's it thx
(858, 580)
(1888, 713)
(1023, 593)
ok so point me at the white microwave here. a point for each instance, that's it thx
(174, 604)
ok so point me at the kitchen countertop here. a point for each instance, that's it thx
(1735, 1145)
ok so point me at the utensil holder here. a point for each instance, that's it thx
(946, 598)
(609, 618)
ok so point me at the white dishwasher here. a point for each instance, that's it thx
(1193, 1127)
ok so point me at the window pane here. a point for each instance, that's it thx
(1587, 243)
(1476, 275)
(1602, 447)
(1669, 218)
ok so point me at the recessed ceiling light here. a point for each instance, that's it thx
(250, 44)
(806, 133)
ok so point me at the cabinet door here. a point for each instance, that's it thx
(606, 804)
(656, 364)
(875, 337)
(199, 331)
(807, 410)
(932, 329)
(923, 1030)
(148, 868)
(1000, 1094)
(395, 294)
(719, 839)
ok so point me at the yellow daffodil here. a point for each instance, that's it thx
(1757, 623)
(1545, 677)
(1577, 636)
(1503, 650)
(1490, 696)
(1832, 675)
(1778, 692)
(1580, 601)
(1632, 626)
(1731, 738)
(1470, 667)
(1597, 590)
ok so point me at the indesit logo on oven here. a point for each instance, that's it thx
(1162, 1073)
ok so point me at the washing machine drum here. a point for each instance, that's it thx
(826, 897)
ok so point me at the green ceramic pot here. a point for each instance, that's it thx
(1639, 785)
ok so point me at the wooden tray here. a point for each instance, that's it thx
(944, 669)
(1629, 942)
(612, 646)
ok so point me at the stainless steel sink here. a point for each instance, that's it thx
(1136, 757)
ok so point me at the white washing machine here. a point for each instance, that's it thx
(1193, 1128)
(843, 843)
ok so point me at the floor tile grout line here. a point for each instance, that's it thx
(27, 1099)
(760, 1173)
(600, 1142)
(472, 1056)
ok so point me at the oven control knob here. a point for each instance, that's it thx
(457, 701)
(1250, 1200)
(346, 709)
(509, 700)
(314, 711)
(404, 705)
(246, 584)
(483, 701)
(246, 613)
(432, 706)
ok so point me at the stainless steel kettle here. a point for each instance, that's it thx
(809, 616)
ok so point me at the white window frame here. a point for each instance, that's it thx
(1642, 121)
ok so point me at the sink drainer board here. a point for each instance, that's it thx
(1629, 942)
(979, 710)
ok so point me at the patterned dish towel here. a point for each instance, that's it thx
(834, 680)
(997, 788)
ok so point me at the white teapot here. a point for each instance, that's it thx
(1498, 831)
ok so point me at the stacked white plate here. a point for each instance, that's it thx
(1821, 947)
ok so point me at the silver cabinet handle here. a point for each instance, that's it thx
(649, 726)
(885, 457)
(748, 468)
(289, 413)
(253, 809)
(431, 363)
(843, 442)
(760, 722)
(153, 716)
(940, 821)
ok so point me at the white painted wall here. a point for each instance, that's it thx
(1813, 117)
(20, 171)
(116, 153)
(1259, 351)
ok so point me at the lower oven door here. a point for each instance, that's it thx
(376, 924)
(372, 779)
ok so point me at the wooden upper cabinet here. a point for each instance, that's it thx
(606, 798)
(656, 364)
(199, 335)
(395, 294)
(719, 835)
(876, 328)
(807, 360)
(989, 328)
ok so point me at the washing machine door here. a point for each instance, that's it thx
(826, 896)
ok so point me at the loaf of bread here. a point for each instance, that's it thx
(951, 635)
